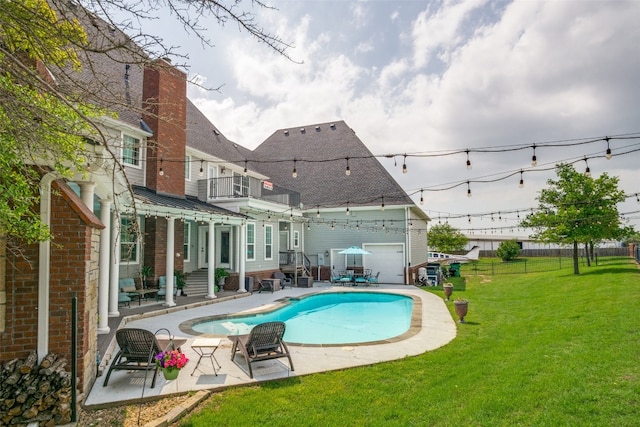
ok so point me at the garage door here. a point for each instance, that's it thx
(388, 260)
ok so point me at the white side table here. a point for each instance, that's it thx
(206, 347)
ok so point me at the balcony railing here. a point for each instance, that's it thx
(242, 187)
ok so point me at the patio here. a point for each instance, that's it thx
(436, 329)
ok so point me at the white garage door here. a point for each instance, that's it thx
(388, 260)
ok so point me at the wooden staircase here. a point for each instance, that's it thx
(196, 283)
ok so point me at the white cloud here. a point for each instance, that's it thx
(533, 71)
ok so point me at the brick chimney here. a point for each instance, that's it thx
(164, 96)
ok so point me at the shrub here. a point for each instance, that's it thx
(508, 250)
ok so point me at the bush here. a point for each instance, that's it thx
(508, 250)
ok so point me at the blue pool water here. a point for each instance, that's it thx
(331, 318)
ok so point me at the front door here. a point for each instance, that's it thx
(223, 247)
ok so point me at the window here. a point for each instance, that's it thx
(187, 167)
(251, 241)
(240, 185)
(130, 150)
(128, 240)
(187, 241)
(268, 242)
(296, 239)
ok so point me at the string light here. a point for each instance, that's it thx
(318, 213)
(468, 160)
(468, 189)
(521, 179)
(295, 171)
(587, 171)
(534, 159)
(608, 148)
(348, 170)
(347, 213)
(404, 164)
(245, 168)
(201, 167)
(382, 205)
(421, 197)
(161, 171)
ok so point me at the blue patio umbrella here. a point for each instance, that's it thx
(354, 250)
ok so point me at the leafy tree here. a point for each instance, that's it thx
(577, 208)
(508, 250)
(44, 121)
(39, 130)
(445, 238)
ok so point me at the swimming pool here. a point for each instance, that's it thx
(334, 318)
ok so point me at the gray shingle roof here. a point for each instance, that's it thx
(320, 151)
(203, 136)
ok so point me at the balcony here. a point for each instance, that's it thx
(234, 187)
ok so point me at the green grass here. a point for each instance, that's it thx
(543, 349)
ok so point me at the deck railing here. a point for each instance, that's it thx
(239, 186)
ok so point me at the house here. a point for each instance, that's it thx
(164, 188)
(347, 198)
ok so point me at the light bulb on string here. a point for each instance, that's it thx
(608, 152)
(468, 160)
(347, 213)
(294, 174)
(347, 171)
(161, 173)
(587, 171)
(201, 167)
(421, 197)
(521, 179)
(382, 205)
(404, 164)
(245, 168)
(468, 190)
(534, 159)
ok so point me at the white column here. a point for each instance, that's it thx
(103, 282)
(86, 193)
(211, 261)
(241, 255)
(171, 225)
(114, 265)
(44, 268)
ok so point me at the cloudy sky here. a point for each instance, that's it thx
(426, 78)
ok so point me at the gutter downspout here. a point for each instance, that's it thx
(407, 220)
(44, 260)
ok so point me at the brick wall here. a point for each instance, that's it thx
(73, 272)
(155, 247)
(165, 99)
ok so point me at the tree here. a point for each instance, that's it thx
(445, 238)
(508, 250)
(577, 208)
(39, 130)
(45, 120)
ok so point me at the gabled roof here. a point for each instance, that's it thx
(320, 151)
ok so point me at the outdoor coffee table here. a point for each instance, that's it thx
(206, 347)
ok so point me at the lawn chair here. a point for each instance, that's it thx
(373, 280)
(263, 343)
(138, 348)
(284, 280)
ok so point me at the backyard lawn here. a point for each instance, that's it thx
(539, 349)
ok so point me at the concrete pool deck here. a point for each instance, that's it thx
(435, 329)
